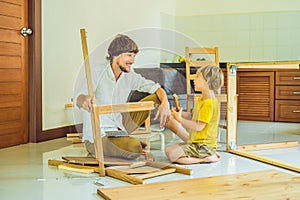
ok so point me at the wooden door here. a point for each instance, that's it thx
(13, 73)
(256, 96)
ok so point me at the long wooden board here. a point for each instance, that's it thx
(269, 184)
(273, 145)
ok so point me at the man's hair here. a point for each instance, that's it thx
(214, 77)
(121, 44)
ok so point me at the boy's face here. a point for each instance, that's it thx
(125, 60)
(200, 83)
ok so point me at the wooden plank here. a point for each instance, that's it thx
(75, 140)
(231, 139)
(94, 114)
(75, 169)
(269, 145)
(202, 50)
(178, 169)
(272, 65)
(271, 161)
(93, 161)
(176, 102)
(74, 134)
(270, 184)
(136, 170)
(81, 160)
(132, 106)
(157, 173)
(201, 63)
(121, 176)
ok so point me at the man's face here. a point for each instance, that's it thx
(125, 60)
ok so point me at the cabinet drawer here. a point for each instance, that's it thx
(288, 78)
(288, 92)
(287, 110)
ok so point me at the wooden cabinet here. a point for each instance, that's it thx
(264, 94)
(255, 91)
(287, 93)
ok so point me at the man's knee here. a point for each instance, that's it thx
(127, 144)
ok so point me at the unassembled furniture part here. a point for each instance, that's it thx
(231, 144)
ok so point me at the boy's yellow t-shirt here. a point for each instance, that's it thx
(207, 111)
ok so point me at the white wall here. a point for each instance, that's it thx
(61, 44)
(244, 30)
(219, 7)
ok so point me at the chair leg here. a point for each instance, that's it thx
(162, 140)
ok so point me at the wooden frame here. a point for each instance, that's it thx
(231, 142)
(198, 63)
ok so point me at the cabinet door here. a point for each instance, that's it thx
(255, 96)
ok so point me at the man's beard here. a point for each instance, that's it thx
(123, 69)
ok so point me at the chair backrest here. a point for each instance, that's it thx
(198, 57)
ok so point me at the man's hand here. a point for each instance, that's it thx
(86, 102)
(164, 114)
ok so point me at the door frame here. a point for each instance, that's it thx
(35, 112)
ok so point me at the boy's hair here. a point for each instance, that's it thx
(214, 77)
(121, 44)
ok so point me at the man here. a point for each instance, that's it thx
(112, 85)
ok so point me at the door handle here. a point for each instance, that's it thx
(26, 31)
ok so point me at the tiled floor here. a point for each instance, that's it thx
(25, 174)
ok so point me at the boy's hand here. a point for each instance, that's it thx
(177, 115)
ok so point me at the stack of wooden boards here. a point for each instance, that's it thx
(74, 137)
(132, 172)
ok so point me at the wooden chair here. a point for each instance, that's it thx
(204, 56)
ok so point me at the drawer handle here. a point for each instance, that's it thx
(296, 111)
(296, 78)
(296, 92)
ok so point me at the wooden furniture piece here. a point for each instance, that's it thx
(269, 184)
(203, 58)
(232, 110)
(268, 94)
(144, 133)
(287, 103)
(131, 172)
